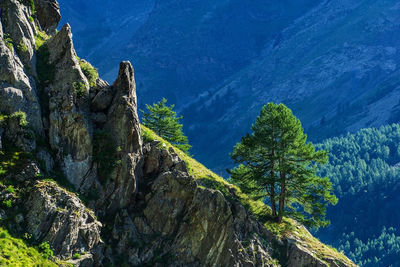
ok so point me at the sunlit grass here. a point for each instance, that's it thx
(14, 252)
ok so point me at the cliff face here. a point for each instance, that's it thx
(132, 203)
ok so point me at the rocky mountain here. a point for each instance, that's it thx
(333, 62)
(83, 179)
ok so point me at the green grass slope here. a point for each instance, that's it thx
(14, 252)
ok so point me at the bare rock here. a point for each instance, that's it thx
(60, 218)
(21, 30)
(198, 227)
(124, 128)
(70, 130)
(30, 172)
(99, 118)
(47, 160)
(103, 99)
(17, 89)
(19, 135)
(300, 256)
(160, 160)
(48, 14)
(100, 85)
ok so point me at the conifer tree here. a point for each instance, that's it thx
(279, 165)
(163, 120)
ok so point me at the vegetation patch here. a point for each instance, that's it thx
(21, 117)
(32, 5)
(46, 251)
(80, 89)
(12, 160)
(14, 252)
(89, 71)
(21, 48)
(40, 38)
(8, 41)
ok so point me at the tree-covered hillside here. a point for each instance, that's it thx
(365, 170)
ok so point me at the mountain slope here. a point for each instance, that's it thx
(183, 48)
(336, 67)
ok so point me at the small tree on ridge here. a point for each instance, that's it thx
(164, 122)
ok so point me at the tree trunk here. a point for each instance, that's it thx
(272, 199)
(272, 195)
(282, 197)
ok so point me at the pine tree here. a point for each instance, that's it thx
(279, 165)
(164, 122)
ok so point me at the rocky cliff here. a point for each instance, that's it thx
(80, 174)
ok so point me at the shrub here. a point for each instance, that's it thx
(80, 89)
(89, 71)
(7, 203)
(10, 189)
(21, 117)
(9, 42)
(4, 234)
(44, 248)
(76, 256)
(21, 48)
(40, 38)
(27, 236)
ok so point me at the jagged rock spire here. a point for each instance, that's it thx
(123, 125)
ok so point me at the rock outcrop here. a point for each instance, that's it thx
(177, 223)
(124, 129)
(48, 15)
(70, 129)
(147, 209)
(61, 219)
(17, 86)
